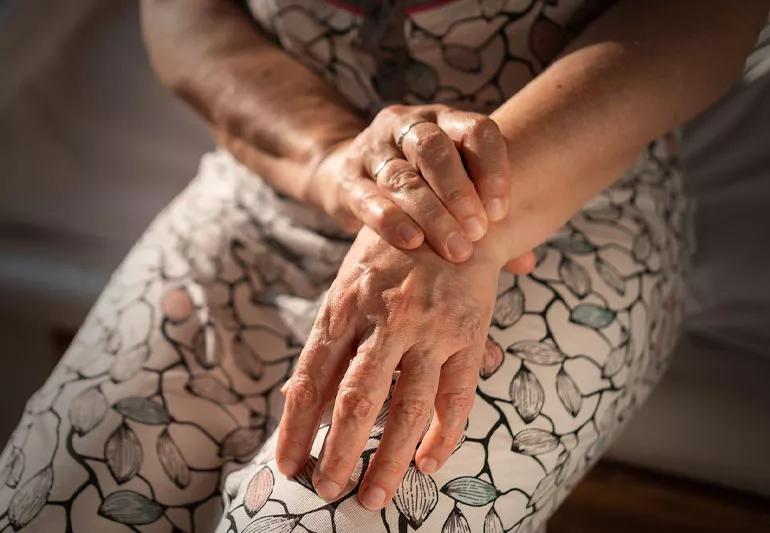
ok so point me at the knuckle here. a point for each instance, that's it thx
(303, 392)
(412, 412)
(458, 194)
(370, 202)
(432, 146)
(401, 179)
(389, 112)
(484, 128)
(391, 468)
(354, 404)
(457, 401)
(337, 464)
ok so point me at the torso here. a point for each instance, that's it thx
(471, 54)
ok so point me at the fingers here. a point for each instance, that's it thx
(524, 264)
(408, 190)
(313, 383)
(359, 399)
(483, 149)
(435, 156)
(368, 205)
(454, 400)
(410, 410)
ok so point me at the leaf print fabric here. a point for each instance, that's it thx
(161, 415)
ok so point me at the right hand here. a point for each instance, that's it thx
(444, 184)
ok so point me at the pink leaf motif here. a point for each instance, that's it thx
(242, 443)
(456, 523)
(258, 491)
(534, 441)
(492, 522)
(247, 360)
(212, 389)
(273, 524)
(123, 453)
(493, 359)
(171, 460)
(541, 353)
(87, 410)
(176, 304)
(416, 497)
(508, 308)
(30, 498)
(568, 392)
(527, 394)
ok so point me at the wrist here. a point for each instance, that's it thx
(319, 177)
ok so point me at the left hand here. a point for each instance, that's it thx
(389, 309)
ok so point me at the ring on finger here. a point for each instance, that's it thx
(405, 130)
(381, 166)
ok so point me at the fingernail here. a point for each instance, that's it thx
(473, 228)
(327, 489)
(428, 465)
(373, 498)
(495, 209)
(458, 246)
(288, 467)
(408, 232)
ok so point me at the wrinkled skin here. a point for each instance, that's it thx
(388, 309)
(444, 186)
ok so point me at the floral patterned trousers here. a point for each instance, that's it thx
(159, 416)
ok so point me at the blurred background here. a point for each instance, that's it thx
(91, 147)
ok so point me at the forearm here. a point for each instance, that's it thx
(577, 127)
(273, 113)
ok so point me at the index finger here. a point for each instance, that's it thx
(316, 376)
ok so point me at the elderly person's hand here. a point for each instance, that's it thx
(389, 309)
(426, 172)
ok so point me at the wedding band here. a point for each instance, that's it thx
(381, 166)
(405, 131)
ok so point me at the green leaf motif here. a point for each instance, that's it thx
(592, 315)
(131, 508)
(143, 410)
(470, 491)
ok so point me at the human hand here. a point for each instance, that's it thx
(417, 173)
(388, 310)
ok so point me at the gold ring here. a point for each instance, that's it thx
(405, 131)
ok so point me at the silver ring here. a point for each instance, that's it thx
(381, 166)
(405, 131)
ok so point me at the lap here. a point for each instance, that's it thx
(172, 384)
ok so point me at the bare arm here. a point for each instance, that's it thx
(274, 114)
(642, 69)
(292, 128)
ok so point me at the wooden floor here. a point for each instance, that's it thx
(617, 498)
